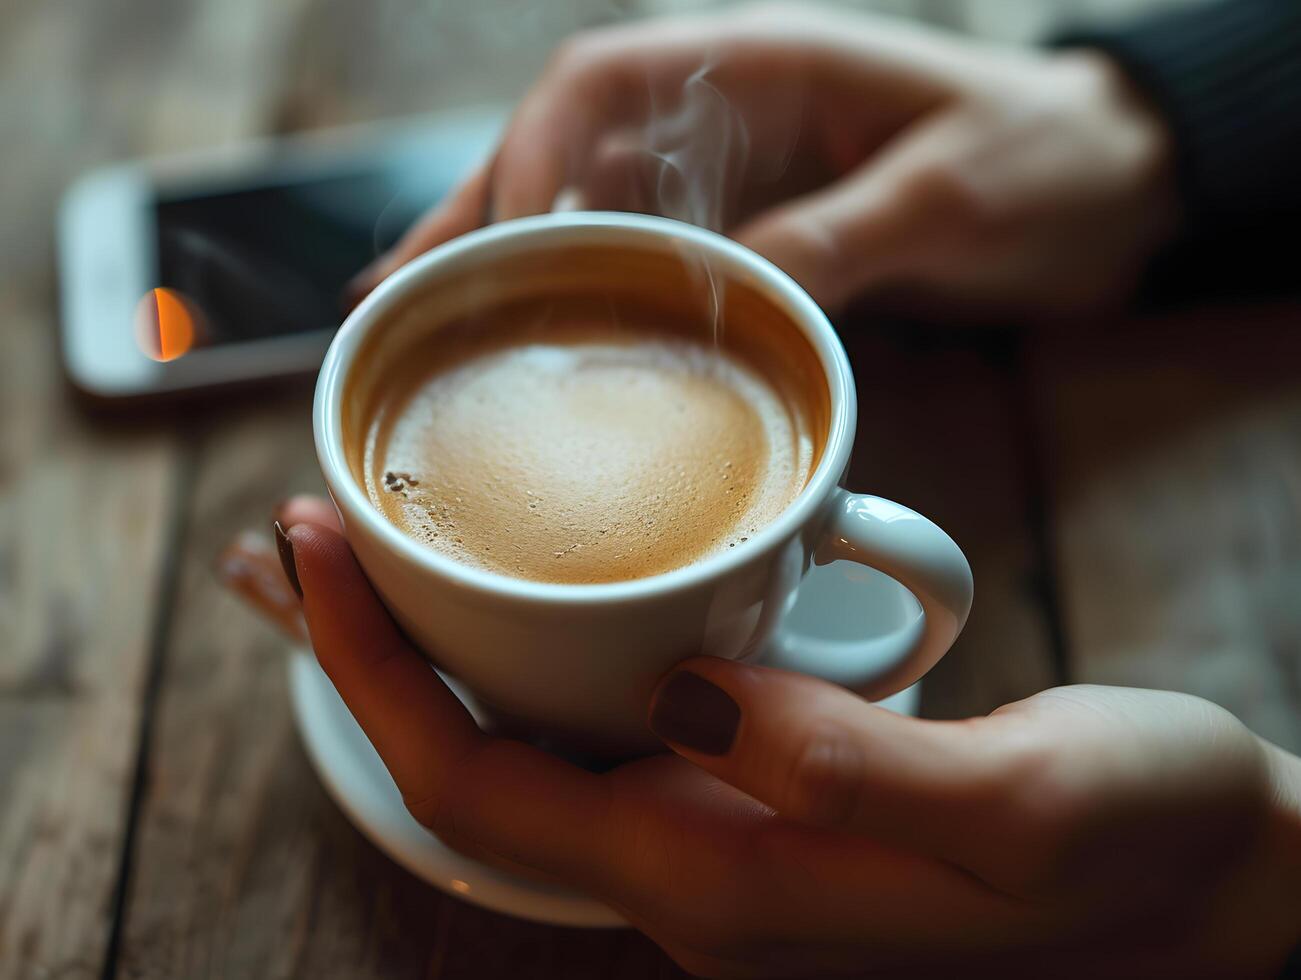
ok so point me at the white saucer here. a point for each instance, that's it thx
(356, 778)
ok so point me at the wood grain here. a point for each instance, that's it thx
(86, 513)
(88, 510)
(1175, 452)
(84, 518)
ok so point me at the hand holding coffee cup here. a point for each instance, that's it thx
(797, 829)
(572, 450)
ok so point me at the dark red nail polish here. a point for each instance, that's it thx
(695, 713)
(286, 549)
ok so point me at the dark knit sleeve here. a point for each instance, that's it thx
(1226, 75)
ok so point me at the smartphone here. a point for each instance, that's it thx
(204, 270)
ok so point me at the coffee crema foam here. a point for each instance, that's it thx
(567, 446)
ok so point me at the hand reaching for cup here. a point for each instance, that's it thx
(796, 829)
(860, 154)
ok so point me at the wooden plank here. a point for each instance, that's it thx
(84, 517)
(1175, 450)
(85, 514)
(940, 430)
(224, 754)
(87, 511)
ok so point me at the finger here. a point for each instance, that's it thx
(250, 568)
(390, 689)
(587, 89)
(549, 143)
(892, 220)
(643, 73)
(465, 209)
(509, 798)
(820, 755)
(308, 509)
(704, 859)
(623, 175)
(835, 242)
(647, 90)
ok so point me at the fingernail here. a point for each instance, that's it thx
(695, 713)
(250, 569)
(286, 549)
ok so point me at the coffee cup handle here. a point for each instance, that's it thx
(916, 553)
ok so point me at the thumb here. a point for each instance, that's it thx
(837, 241)
(879, 224)
(820, 755)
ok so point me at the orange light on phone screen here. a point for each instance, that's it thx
(165, 325)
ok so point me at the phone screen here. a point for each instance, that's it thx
(264, 261)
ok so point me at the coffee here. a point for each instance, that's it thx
(583, 439)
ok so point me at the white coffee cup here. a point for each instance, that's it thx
(581, 661)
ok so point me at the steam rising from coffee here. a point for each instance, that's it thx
(702, 146)
(702, 149)
(692, 159)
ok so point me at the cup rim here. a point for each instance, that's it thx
(776, 285)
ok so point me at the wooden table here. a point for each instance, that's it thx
(1130, 498)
